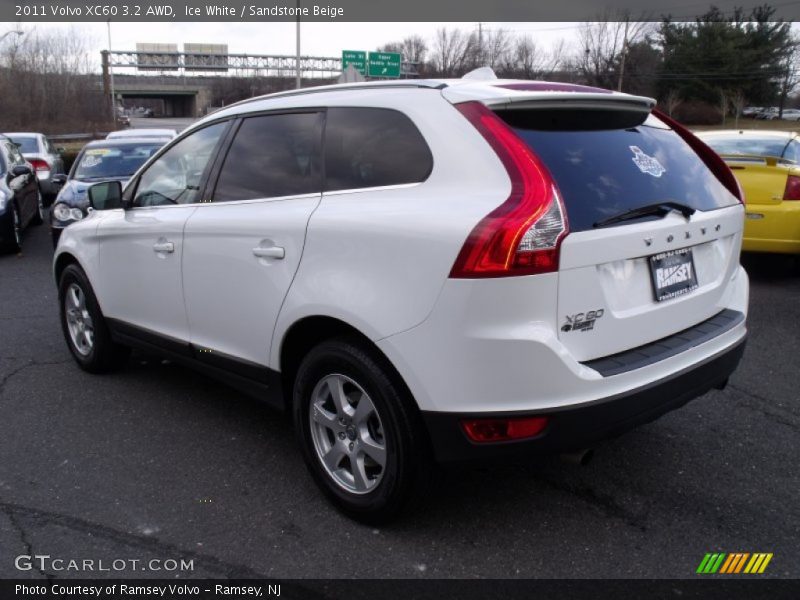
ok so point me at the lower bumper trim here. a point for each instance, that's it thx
(578, 427)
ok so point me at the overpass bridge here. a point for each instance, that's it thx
(182, 83)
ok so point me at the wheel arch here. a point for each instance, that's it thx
(61, 262)
(308, 332)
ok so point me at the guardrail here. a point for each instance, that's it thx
(68, 137)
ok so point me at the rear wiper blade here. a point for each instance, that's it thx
(660, 209)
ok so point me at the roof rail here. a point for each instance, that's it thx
(369, 85)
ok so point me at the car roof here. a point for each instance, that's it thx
(480, 85)
(126, 141)
(144, 132)
(23, 134)
(761, 133)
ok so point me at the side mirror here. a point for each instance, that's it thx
(106, 195)
(20, 170)
(59, 179)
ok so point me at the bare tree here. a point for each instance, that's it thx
(672, 101)
(737, 103)
(601, 48)
(53, 69)
(452, 50)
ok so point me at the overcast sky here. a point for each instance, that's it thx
(317, 39)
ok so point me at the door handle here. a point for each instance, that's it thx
(271, 252)
(164, 247)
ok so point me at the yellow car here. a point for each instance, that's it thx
(767, 165)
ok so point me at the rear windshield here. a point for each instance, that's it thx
(27, 145)
(602, 173)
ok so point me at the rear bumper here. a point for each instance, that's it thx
(578, 427)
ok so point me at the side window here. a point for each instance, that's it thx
(370, 147)
(175, 177)
(271, 156)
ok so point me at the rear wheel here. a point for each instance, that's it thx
(360, 431)
(84, 326)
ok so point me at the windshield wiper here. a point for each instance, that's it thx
(659, 209)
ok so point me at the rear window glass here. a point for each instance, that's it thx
(603, 173)
(371, 147)
(27, 145)
(779, 148)
(271, 156)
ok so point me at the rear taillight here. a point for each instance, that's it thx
(711, 159)
(523, 235)
(792, 191)
(503, 429)
(39, 164)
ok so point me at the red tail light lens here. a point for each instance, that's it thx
(792, 191)
(503, 430)
(712, 160)
(523, 235)
(39, 165)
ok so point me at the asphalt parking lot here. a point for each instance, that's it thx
(157, 461)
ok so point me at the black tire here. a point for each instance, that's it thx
(39, 217)
(104, 355)
(13, 234)
(406, 475)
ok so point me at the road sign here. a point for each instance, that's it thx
(357, 58)
(384, 64)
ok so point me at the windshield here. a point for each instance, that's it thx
(120, 160)
(776, 147)
(603, 173)
(27, 145)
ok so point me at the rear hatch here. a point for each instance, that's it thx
(624, 279)
(627, 279)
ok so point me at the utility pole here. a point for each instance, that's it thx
(624, 55)
(297, 64)
(111, 78)
(480, 44)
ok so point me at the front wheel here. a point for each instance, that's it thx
(14, 234)
(84, 326)
(360, 431)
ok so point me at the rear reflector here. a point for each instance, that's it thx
(503, 430)
(715, 164)
(522, 236)
(39, 165)
(792, 191)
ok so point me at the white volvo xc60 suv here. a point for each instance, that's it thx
(423, 272)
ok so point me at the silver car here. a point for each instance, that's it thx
(45, 159)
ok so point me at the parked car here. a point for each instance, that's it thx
(166, 134)
(767, 165)
(767, 114)
(101, 160)
(423, 272)
(751, 111)
(45, 158)
(20, 197)
(790, 114)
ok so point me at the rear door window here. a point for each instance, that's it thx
(602, 173)
(273, 155)
(373, 147)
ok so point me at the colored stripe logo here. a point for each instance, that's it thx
(734, 563)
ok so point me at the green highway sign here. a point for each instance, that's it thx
(384, 64)
(357, 58)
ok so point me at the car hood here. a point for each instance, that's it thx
(74, 191)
